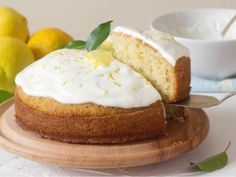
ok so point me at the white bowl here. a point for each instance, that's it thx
(211, 56)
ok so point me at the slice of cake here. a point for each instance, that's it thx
(66, 96)
(157, 56)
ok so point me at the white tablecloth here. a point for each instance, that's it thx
(222, 130)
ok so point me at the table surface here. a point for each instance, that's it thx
(222, 130)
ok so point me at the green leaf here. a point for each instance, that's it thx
(4, 95)
(98, 35)
(77, 44)
(213, 163)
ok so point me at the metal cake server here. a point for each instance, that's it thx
(202, 101)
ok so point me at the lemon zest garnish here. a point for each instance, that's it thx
(65, 82)
(111, 76)
(117, 70)
(117, 84)
(78, 58)
(106, 92)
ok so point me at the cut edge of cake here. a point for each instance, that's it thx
(171, 79)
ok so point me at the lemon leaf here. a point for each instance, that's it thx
(4, 95)
(98, 35)
(213, 163)
(77, 44)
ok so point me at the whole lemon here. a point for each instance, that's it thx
(13, 24)
(47, 40)
(14, 56)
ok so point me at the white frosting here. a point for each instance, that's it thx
(164, 43)
(67, 77)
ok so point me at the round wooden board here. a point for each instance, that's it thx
(181, 138)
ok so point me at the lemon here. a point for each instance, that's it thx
(99, 57)
(47, 40)
(14, 56)
(13, 24)
(107, 45)
(103, 55)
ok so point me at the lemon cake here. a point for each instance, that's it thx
(158, 57)
(112, 95)
(65, 97)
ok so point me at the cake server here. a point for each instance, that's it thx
(202, 101)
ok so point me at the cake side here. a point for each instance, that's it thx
(55, 108)
(171, 81)
(126, 126)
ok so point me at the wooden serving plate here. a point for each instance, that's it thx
(181, 138)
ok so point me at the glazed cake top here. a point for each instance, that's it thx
(68, 77)
(164, 43)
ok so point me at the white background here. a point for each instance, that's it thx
(78, 17)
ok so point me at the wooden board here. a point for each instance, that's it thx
(181, 138)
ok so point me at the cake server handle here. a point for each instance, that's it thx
(202, 101)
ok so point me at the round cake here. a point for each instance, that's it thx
(63, 97)
(70, 97)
